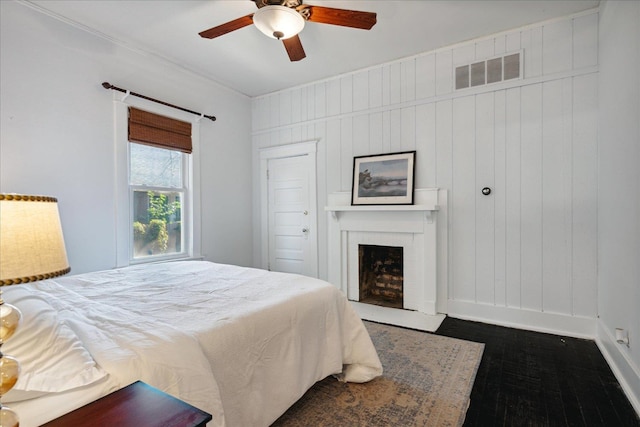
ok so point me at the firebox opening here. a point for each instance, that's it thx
(381, 275)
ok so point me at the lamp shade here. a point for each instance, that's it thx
(278, 22)
(31, 241)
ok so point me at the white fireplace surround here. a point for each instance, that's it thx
(420, 229)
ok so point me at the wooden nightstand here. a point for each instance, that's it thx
(136, 405)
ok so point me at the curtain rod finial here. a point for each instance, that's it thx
(106, 85)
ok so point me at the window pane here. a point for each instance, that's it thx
(157, 223)
(156, 167)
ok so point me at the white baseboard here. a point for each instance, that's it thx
(626, 372)
(395, 316)
(559, 324)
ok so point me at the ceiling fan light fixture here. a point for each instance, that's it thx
(278, 22)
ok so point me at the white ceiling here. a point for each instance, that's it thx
(253, 64)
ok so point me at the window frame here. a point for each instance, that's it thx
(124, 191)
(184, 160)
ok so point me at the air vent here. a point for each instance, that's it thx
(492, 70)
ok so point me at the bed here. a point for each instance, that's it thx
(242, 344)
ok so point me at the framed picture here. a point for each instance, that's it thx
(383, 179)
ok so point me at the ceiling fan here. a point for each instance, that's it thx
(284, 19)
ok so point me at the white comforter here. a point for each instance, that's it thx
(243, 344)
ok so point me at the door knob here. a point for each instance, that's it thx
(305, 230)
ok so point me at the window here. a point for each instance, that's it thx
(157, 183)
(158, 195)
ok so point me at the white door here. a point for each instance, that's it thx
(291, 219)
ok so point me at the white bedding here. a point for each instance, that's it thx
(243, 344)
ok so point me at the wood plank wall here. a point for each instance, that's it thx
(531, 245)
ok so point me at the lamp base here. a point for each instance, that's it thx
(8, 418)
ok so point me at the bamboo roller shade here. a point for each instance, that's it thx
(159, 131)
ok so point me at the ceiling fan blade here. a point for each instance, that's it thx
(220, 30)
(343, 17)
(294, 48)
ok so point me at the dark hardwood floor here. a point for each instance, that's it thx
(533, 379)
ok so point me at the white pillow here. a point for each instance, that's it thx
(52, 357)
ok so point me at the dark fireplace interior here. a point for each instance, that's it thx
(381, 275)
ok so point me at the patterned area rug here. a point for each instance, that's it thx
(427, 381)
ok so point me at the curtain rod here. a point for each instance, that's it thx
(108, 85)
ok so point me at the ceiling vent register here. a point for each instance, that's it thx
(492, 70)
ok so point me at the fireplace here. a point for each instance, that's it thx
(381, 275)
(391, 261)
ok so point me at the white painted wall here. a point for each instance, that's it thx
(524, 256)
(57, 134)
(619, 190)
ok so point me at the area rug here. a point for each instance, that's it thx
(427, 381)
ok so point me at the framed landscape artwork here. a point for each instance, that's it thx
(383, 179)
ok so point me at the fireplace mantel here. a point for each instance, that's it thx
(425, 202)
(426, 199)
(427, 208)
(420, 228)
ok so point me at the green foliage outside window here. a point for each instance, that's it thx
(152, 238)
(160, 208)
(157, 235)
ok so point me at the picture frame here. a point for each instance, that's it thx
(383, 179)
